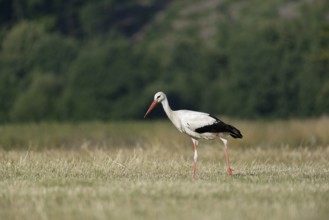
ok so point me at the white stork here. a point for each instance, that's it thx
(198, 125)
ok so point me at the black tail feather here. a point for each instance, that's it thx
(234, 132)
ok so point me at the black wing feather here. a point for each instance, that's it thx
(220, 127)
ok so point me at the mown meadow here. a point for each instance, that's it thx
(143, 170)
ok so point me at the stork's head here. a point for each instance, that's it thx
(158, 97)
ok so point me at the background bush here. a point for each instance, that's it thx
(81, 60)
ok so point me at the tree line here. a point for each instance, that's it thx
(81, 60)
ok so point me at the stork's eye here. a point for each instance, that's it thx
(158, 97)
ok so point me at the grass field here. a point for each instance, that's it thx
(135, 170)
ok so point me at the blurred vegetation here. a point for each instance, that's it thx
(83, 60)
(297, 133)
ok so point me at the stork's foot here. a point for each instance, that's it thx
(229, 171)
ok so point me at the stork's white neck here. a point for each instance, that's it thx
(171, 114)
(167, 109)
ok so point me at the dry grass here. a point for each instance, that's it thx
(91, 171)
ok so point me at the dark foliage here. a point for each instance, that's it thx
(104, 60)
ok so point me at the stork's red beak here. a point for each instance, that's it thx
(154, 103)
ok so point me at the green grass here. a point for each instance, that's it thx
(95, 171)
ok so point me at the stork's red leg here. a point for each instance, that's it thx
(229, 171)
(195, 144)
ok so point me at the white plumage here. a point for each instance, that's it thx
(198, 125)
(192, 120)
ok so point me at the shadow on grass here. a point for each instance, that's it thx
(245, 174)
